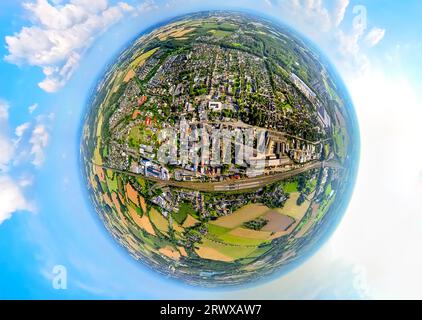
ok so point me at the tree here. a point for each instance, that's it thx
(301, 183)
(301, 199)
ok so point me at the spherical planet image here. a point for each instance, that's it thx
(220, 148)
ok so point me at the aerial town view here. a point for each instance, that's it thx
(218, 148)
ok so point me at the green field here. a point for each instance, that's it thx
(340, 142)
(240, 241)
(324, 208)
(290, 187)
(111, 184)
(221, 33)
(185, 209)
(217, 230)
(142, 58)
(140, 135)
(186, 231)
(328, 189)
(235, 252)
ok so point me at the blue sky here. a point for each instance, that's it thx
(45, 219)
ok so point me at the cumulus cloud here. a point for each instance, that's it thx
(7, 148)
(374, 36)
(12, 198)
(322, 21)
(339, 11)
(6, 154)
(63, 30)
(32, 107)
(39, 141)
(19, 147)
(350, 42)
(4, 111)
(30, 140)
(21, 129)
(147, 6)
(59, 36)
(349, 48)
(313, 13)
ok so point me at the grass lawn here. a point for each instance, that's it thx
(290, 187)
(237, 45)
(311, 184)
(328, 189)
(140, 135)
(105, 151)
(185, 209)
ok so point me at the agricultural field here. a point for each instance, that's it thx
(200, 221)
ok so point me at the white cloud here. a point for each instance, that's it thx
(59, 36)
(62, 31)
(374, 36)
(6, 153)
(7, 148)
(349, 52)
(26, 181)
(12, 198)
(30, 140)
(21, 129)
(32, 108)
(349, 42)
(4, 111)
(147, 6)
(340, 8)
(312, 15)
(382, 230)
(322, 21)
(39, 141)
(24, 146)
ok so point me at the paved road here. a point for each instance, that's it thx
(241, 184)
